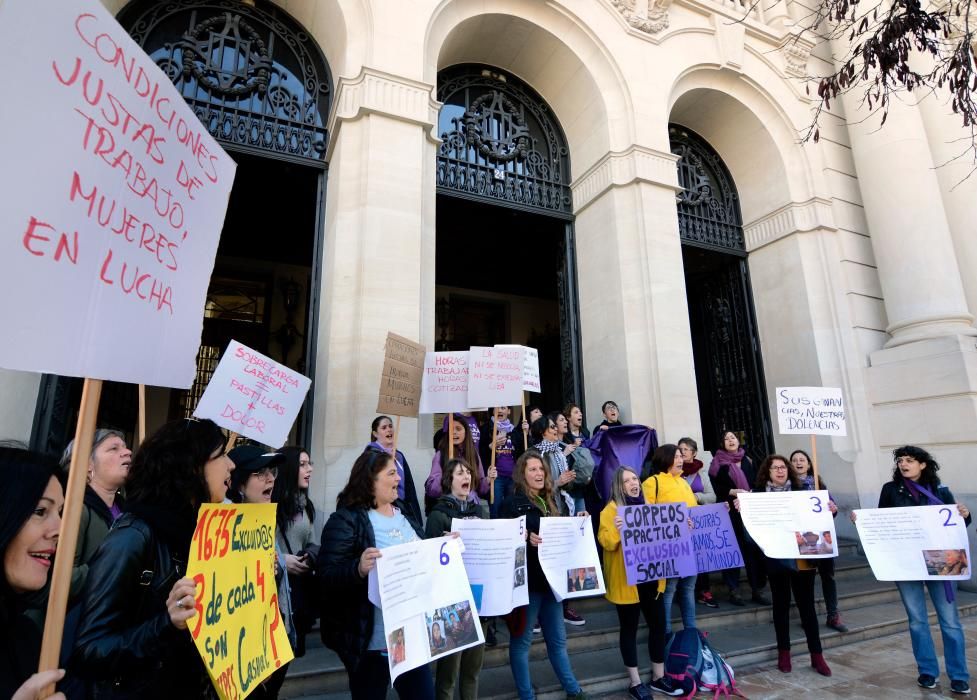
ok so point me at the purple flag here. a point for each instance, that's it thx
(656, 542)
(630, 445)
(713, 538)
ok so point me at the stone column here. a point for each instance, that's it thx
(637, 346)
(378, 262)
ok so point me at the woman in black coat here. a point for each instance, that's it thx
(132, 636)
(369, 517)
(30, 520)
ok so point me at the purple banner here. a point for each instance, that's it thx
(713, 539)
(629, 445)
(656, 542)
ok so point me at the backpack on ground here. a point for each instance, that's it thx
(693, 663)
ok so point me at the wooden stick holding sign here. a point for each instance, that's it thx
(525, 419)
(814, 461)
(396, 433)
(141, 423)
(495, 433)
(74, 500)
(451, 436)
(231, 440)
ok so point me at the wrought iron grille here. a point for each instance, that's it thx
(207, 358)
(500, 143)
(253, 77)
(708, 206)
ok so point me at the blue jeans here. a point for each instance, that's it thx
(686, 601)
(954, 652)
(544, 607)
(503, 489)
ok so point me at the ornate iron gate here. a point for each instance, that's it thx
(501, 145)
(729, 366)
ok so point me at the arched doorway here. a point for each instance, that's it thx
(505, 269)
(725, 342)
(261, 86)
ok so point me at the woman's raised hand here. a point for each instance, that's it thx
(963, 510)
(534, 539)
(619, 522)
(368, 561)
(180, 602)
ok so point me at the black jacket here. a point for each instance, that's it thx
(896, 495)
(20, 642)
(515, 506)
(347, 618)
(444, 511)
(126, 643)
(722, 483)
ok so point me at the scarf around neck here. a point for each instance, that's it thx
(555, 448)
(690, 468)
(638, 500)
(733, 461)
(772, 487)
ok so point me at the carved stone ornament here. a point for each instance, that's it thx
(796, 52)
(648, 16)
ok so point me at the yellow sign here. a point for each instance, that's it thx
(238, 628)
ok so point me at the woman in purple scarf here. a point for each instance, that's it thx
(916, 483)
(732, 472)
(382, 439)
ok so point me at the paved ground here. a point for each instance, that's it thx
(878, 669)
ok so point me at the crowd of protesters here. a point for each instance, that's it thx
(130, 600)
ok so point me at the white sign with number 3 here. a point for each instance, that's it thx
(791, 524)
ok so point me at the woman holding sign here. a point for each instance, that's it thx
(382, 438)
(30, 521)
(369, 516)
(630, 601)
(464, 447)
(533, 498)
(787, 575)
(915, 482)
(456, 484)
(132, 636)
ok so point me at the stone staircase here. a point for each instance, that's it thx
(744, 635)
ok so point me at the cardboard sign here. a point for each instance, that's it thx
(530, 367)
(656, 542)
(713, 539)
(400, 379)
(495, 376)
(444, 386)
(253, 395)
(238, 629)
(810, 410)
(790, 524)
(915, 544)
(429, 610)
(114, 197)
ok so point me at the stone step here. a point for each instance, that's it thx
(744, 647)
(321, 671)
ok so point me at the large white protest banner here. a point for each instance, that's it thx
(529, 358)
(495, 559)
(495, 376)
(915, 544)
(810, 410)
(568, 557)
(790, 524)
(114, 197)
(428, 607)
(253, 395)
(444, 384)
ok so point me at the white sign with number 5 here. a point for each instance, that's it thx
(791, 524)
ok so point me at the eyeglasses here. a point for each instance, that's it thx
(780, 468)
(265, 472)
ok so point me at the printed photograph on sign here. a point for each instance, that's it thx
(946, 562)
(520, 557)
(450, 627)
(813, 543)
(396, 646)
(583, 579)
(519, 579)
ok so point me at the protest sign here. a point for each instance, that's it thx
(400, 379)
(529, 359)
(444, 386)
(495, 376)
(915, 544)
(253, 395)
(495, 560)
(790, 524)
(656, 542)
(810, 410)
(238, 629)
(114, 197)
(568, 557)
(713, 539)
(428, 607)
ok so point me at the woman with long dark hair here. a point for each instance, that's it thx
(464, 448)
(30, 520)
(533, 498)
(369, 517)
(298, 537)
(382, 438)
(732, 472)
(132, 640)
(915, 482)
(787, 576)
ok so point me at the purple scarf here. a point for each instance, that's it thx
(920, 492)
(634, 500)
(731, 460)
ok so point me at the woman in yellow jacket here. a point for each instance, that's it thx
(633, 601)
(666, 485)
